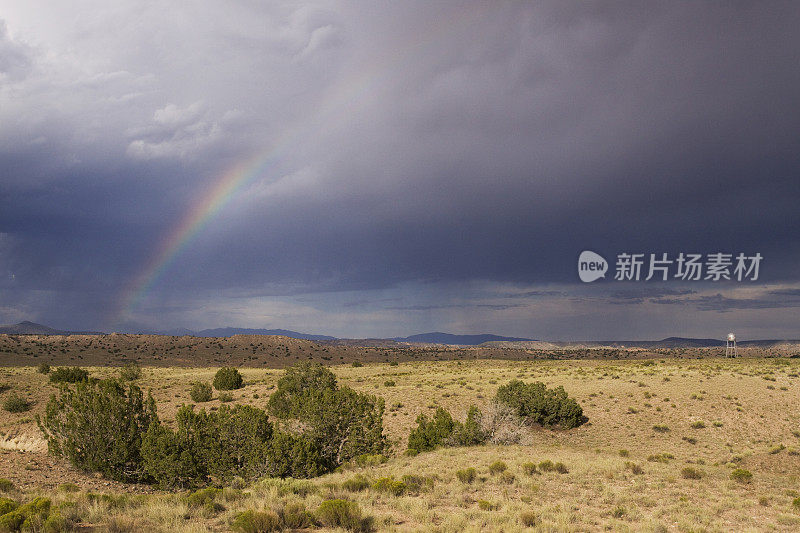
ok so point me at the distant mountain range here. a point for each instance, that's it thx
(229, 332)
(437, 337)
(32, 328)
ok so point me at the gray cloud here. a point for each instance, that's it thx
(404, 148)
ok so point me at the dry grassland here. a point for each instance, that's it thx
(649, 420)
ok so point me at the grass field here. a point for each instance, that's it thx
(662, 439)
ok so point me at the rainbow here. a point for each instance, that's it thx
(337, 104)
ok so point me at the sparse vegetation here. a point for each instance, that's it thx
(356, 484)
(225, 397)
(404, 492)
(344, 514)
(14, 403)
(497, 467)
(689, 472)
(528, 518)
(467, 475)
(130, 372)
(69, 375)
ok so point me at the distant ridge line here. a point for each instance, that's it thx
(436, 337)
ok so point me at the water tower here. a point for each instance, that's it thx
(730, 345)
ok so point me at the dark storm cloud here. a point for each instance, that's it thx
(412, 146)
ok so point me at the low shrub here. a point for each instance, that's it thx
(293, 516)
(547, 466)
(698, 424)
(6, 485)
(660, 457)
(69, 487)
(228, 378)
(43, 368)
(15, 403)
(130, 372)
(634, 468)
(7, 505)
(741, 475)
(356, 484)
(502, 425)
(296, 456)
(27, 517)
(529, 468)
(203, 497)
(537, 404)
(507, 477)
(98, 426)
(69, 375)
(368, 459)
(484, 505)
(223, 444)
(416, 484)
(389, 383)
(467, 475)
(342, 423)
(561, 468)
(285, 487)
(691, 473)
(442, 430)
(497, 467)
(357, 364)
(200, 392)
(257, 522)
(344, 514)
(55, 523)
(660, 428)
(471, 432)
(777, 449)
(529, 518)
(225, 397)
(389, 485)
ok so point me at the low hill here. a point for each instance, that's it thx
(229, 332)
(438, 337)
(32, 328)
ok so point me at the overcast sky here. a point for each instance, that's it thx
(413, 166)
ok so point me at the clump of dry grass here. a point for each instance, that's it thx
(689, 472)
(467, 475)
(529, 518)
(497, 467)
